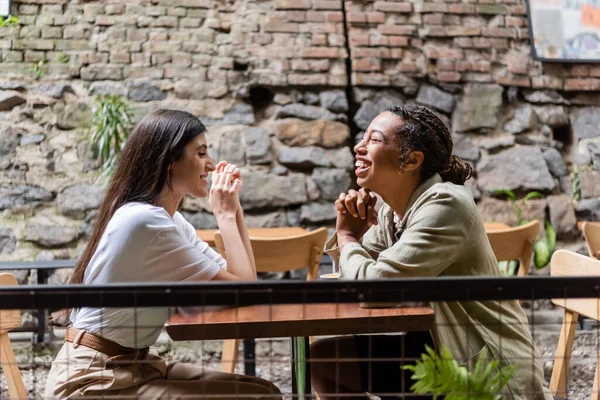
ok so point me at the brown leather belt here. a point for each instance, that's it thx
(102, 345)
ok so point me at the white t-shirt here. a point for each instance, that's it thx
(143, 243)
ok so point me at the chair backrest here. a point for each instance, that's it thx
(568, 263)
(591, 233)
(515, 243)
(10, 319)
(287, 253)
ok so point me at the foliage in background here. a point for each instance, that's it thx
(440, 375)
(10, 21)
(62, 58)
(110, 127)
(543, 248)
(39, 69)
(576, 184)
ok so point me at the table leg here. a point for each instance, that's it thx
(250, 357)
(42, 279)
(300, 352)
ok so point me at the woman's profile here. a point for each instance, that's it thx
(140, 237)
(428, 226)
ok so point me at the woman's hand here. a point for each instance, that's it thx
(356, 214)
(224, 196)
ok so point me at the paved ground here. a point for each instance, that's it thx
(273, 356)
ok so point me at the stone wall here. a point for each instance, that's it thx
(284, 87)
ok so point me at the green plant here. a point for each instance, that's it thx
(62, 58)
(542, 248)
(110, 127)
(518, 205)
(440, 375)
(39, 69)
(576, 185)
(10, 21)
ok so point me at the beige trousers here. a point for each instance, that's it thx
(83, 372)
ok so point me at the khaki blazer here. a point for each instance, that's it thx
(442, 234)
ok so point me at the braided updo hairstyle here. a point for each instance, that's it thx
(423, 131)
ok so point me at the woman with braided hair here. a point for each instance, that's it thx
(428, 226)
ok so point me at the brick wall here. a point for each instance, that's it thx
(283, 42)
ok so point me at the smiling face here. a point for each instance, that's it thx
(378, 167)
(377, 153)
(190, 173)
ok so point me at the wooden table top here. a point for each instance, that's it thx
(287, 320)
(208, 235)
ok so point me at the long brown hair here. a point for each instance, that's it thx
(143, 169)
(424, 131)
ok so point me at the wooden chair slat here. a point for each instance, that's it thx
(568, 263)
(277, 250)
(591, 233)
(514, 243)
(10, 319)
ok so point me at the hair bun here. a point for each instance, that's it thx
(458, 171)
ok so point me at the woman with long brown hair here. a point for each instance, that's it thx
(429, 225)
(140, 237)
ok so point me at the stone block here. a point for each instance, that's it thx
(520, 168)
(327, 4)
(145, 91)
(8, 241)
(231, 147)
(317, 213)
(258, 145)
(266, 190)
(589, 182)
(76, 200)
(588, 209)
(19, 196)
(331, 182)
(479, 107)
(9, 99)
(307, 112)
(45, 44)
(334, 100)
(101, 72)
(391, 7)
(524, 119)
(303, 157)
(553, 116)
(50, 235)
(562, 215)
(556, 163)
(434, 97)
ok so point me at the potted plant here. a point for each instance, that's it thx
(110, 126)
(543, 247)
(440, 375)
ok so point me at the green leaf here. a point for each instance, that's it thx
(109, 129)
(509, 193)
(532, 195)
(550, 236)
(541, 254)
(440, 375)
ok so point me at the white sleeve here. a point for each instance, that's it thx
(170, 257)
(193, 238)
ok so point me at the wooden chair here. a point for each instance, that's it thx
(591, 233)
(514, 243)
(208, 235)
(10, 319)
(277, 254)
(568, 263)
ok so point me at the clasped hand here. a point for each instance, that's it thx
(224, 196)
(356, 213)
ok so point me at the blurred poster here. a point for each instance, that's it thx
(565, 29)
(4, 8)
